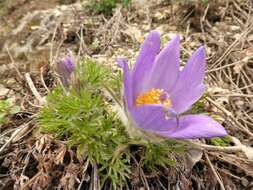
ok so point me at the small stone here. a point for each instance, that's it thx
(3, 91)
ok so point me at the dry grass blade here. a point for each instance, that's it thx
(18, 134)
(33, 89)
(232, 46)
(95, 184)
(244, 61)
(230, 115)
(14, 65)
(214, 172)
(224, 27)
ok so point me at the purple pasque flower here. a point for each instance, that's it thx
(156, 92)
(65, 67)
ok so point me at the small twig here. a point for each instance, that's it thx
(82, 45)
(16, 134)
(214, 172)
(52, 45)
(245, 87)
(85, 167)
(7, 132)
(230, 65)
(31, 180)
(95, 179)
(110, 93)
(26, 161)
(33, 89)
(228, 173)
(14, 64)
(119, 109)
(202, 20)
(144, 178)
(228, 149)
(34, 105)
(232, 46)
(229, 114)
(234, 95)
(42, 79)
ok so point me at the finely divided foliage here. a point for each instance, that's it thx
(81, 114)
(156, 93)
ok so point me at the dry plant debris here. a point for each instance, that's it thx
(31, 45)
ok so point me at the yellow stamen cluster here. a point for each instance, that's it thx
(153, 97)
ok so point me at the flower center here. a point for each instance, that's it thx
(154, 96)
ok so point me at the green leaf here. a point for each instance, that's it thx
(82, 116)
(224, 141)
(6, 109)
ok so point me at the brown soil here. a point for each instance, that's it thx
(34, 161)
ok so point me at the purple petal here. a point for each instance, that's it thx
(127, 82)
(142, 68)
(183, 98)
(69, 62)
(195, 126)
(153, 117)
(166, 68)
(64, 68)
(189, 86)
